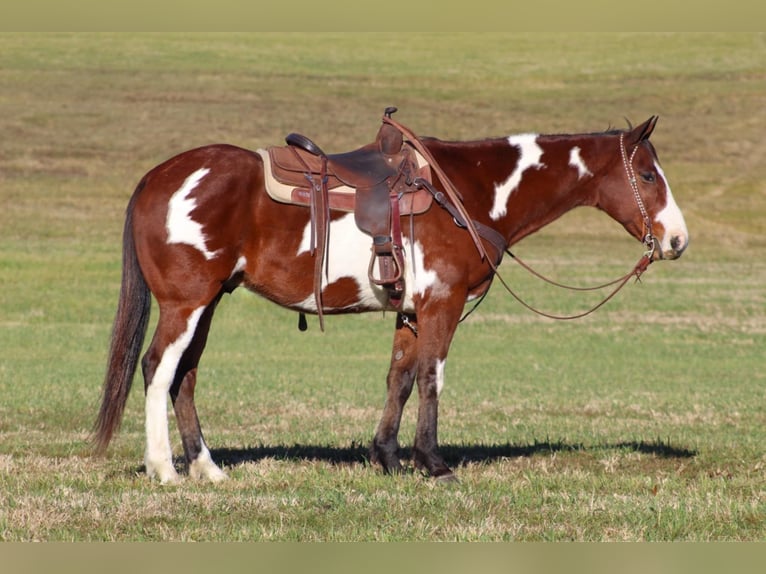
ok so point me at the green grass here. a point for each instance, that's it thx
(645, 421)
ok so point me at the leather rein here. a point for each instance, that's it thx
(454, 205)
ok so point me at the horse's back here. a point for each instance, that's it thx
(208, 177)
(219, 160)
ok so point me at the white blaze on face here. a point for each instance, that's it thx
(348, 255)
(576, 161)
(673, 221)
(179, 223)
(529, 157)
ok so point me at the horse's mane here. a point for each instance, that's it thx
(609, 131)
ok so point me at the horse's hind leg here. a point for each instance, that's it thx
(198, 457)
(401, 376)
(175, 333)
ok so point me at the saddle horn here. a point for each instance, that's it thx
(389, 138)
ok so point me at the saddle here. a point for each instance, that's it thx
(378, 182)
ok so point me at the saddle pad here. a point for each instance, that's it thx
(342, 197)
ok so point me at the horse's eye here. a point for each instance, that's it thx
(648, 177)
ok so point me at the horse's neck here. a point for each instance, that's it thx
(521, 183)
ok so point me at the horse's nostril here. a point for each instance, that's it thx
(678, 244)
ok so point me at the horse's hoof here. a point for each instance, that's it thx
(170, 480)
(163, 472)
(448, 478)
(206, 469)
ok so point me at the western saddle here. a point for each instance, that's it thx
(382, 181)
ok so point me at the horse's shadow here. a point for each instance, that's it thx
(454, 455)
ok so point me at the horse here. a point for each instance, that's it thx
(201, 224)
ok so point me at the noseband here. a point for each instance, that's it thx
(648, 239)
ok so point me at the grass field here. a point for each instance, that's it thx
(645, 421)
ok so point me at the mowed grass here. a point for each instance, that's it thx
(645, 421)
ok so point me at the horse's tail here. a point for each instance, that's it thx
(128, 334)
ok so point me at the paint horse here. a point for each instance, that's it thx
(201, 224)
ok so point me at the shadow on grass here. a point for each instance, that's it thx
(454, 454)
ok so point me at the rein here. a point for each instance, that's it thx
(637, 271)
(453, 204)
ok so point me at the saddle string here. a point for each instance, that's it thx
(320, 232)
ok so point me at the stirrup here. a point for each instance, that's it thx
(380, 250)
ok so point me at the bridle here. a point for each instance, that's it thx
(627, 162)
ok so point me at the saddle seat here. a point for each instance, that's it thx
(361, 168)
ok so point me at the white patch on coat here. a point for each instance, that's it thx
(576, 161)
(159, 456)
(417, 276)
(239, 266)
(348, 256)
(529, 157)
(179, 223)
(671, 219)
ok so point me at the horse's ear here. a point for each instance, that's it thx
(642, 132)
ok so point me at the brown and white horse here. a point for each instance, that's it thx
(201, 224)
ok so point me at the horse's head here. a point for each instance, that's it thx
(638, 195)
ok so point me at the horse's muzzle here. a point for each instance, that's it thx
(672, 246)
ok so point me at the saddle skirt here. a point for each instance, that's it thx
(285, 181)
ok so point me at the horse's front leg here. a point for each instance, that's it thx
(401, 376)
(437, 325)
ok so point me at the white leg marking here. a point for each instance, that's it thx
(440, 364)
(204, 467)
(672, 219)
(181, 227)
(576, 161)
(159, 455)
(529, 157)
